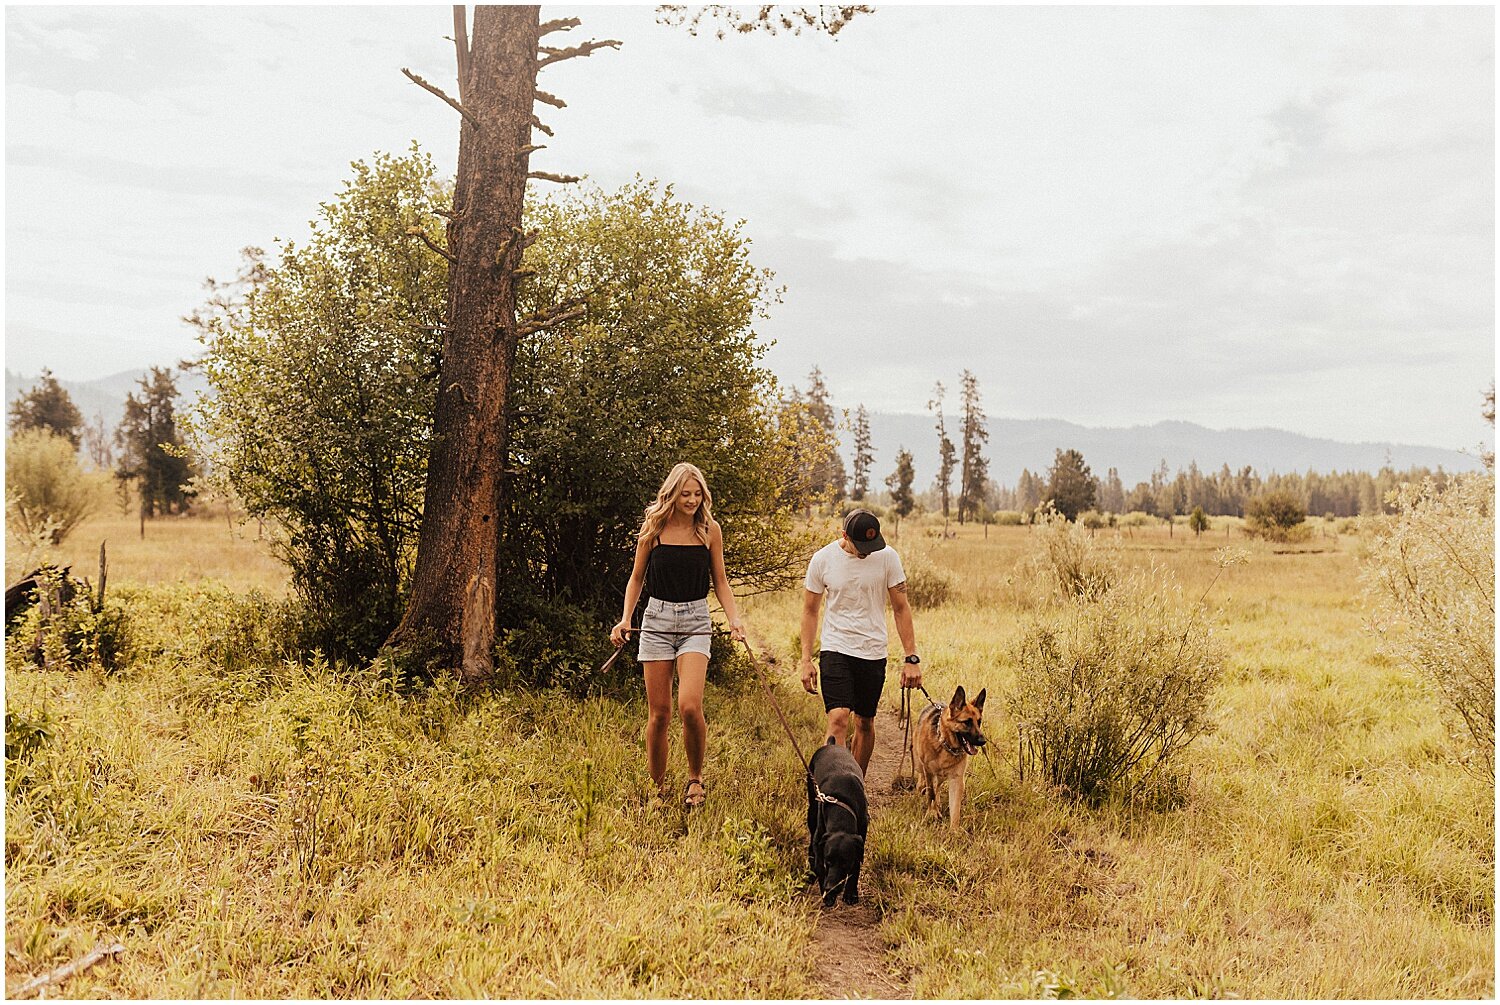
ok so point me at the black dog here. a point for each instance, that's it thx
(837, 823)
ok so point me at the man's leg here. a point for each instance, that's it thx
(838, 726)
(864, 741)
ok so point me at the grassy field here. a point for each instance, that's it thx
(251, 826)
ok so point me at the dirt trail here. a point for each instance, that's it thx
(851, 960)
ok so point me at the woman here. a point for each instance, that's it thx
(678, 553)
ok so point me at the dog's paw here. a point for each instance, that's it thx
(851, 897)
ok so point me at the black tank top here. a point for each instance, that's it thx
(677, 573)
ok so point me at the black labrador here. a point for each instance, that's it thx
(837, 823)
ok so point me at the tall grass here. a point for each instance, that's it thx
(254, 823)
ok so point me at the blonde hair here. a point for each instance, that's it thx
(660, 511)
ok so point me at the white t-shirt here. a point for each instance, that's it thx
(854, 591)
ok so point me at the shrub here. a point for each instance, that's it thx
(1276, 516)
(1067, 556)
(45, 490)
(1009, 518)
(1092, 519)
(1432, 567)
(64, 631)
(1197, 520)
(1109, 693)
(1136, 518)
(927, 584)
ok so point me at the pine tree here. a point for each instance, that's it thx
(864, 455)
(47, 406)
(1071, 484)
(899, 482)
(946, 453)
(975, 467)
(151, 448)
(828, 473)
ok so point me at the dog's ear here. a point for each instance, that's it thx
(959, 701)
(979, 699)
(832, 742)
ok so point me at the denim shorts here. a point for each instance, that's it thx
(663, 619)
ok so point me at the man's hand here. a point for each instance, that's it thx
(911, 675)
(809, 676)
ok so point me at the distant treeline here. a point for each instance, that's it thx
(1226, 492)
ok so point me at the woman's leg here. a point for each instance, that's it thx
(692, 671)
(658, 717)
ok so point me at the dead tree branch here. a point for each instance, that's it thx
(550, 99)
(588, 48)
(561, 24)
(530, 148)
(561, 179)
(541, 126)
(468, 115)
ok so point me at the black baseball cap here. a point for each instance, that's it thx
(863, 531)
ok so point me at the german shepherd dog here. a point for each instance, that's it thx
(837, 823)
(944, 738)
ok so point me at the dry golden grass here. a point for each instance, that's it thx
(1331, 844)
(208, 547)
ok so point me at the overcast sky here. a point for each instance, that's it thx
(1238, 217)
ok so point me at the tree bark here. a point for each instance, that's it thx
(449, 622)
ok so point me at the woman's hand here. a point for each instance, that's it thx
(737, 631)
(617, 633)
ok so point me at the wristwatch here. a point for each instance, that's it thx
(913, 659)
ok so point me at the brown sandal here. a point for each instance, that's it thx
(689, 801)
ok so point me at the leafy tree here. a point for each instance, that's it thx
(864, 455)
(899, 482)
(946, 452)
(47, 405)
(324, 370)
(663, 367)
(338, 342)
(1070, 484)
(46, 492)
(975, 467)
(152, 453)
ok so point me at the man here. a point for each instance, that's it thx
(857, 573)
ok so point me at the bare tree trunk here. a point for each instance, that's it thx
(450, 615)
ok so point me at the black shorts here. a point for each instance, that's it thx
(850, 682)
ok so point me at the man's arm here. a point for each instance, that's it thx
(911, 673)
(810, 602)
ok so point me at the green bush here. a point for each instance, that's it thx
(1277, 516)
(1009, 518)
(1109, 692)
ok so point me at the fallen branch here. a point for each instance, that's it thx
(460, 109)
(67, 970)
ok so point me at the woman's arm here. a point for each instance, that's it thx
(721, 582)
(632, 592)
